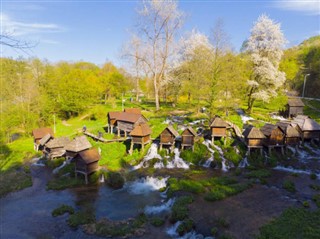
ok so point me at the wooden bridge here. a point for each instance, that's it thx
(101, 139)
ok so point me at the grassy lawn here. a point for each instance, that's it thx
(314, 114)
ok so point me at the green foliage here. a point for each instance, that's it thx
(306, 204)
(232, 155)
(185, 185)
(316, 199)
(115, 180)
(111, 155)
(180, 209)
(62, 210)
(222, 222)
(200, 153)
(315, 187)
(61, 183)
(293, 223)
(313, 176)
(289, 186)
(214, 231)
(157, 221)
(185, 227)
(81, 218)
(259, 174)
(14, 180)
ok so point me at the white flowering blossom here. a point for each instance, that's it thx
(265, 46)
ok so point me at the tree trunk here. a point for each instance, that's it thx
(137, 89)
(156, 92)
(250, 100)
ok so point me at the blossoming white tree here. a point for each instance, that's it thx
(265, 47)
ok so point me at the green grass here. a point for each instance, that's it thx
(180, 209)
(14, 180)
(294, 223)
(81, 218)
(62, 183)
(289, 186)
(62, 210)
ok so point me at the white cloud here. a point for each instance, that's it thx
(19, 28)
(311, 7)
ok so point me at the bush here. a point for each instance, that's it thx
(259, 174)
(185, 185)
(233, 156)
(306, 204)
(289, 186)
(316, 199)
(313, 176)
(157, 221)
(115, 180)
(223, 222)
(81, 218)
(214, 231)
(186, 226)
(62, 210)
(180, 210)
(200, 152)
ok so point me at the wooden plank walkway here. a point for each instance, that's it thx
(237, 131)
(101, 139)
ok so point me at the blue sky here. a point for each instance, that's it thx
(95, 31)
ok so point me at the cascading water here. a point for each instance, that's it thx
(172, 231)
(146, 185)
(101, 178)
(293, 170)
(244, 162)
(225, 167)
(152, 154)
(37, 162)
(177, 162)
(207, 164)
(65, 163)
(165, 207)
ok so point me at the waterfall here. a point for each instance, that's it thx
(207, 164)
(152, 153)
(293, 170)
(146, 185)
(37, 162)
(165, 207)
(225, 168)
(65, 163)
(172, 231)
(177, 162)
(244, 162)
(101, 178)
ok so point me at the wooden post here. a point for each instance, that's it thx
(131, 148)
(261, 151)
(212, 139)
(269, 150)
(248, 151)
(142, 145)
(282, 151)
(86, 177)
(160, 146)
(125, 134)
(118, 132)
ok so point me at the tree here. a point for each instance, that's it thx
(265, 46)
(158, 26)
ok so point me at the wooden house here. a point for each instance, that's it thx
(76, 146)
(40, 133)
(308, 128)
(188, 138)
(133, 111)
(86, 162)
(274, 136)
(140, 135)
(168, 137)
(294, 107)
(254, 138)
(126, 122)
(56, 147)
(218, 128)
(112, 118)
(292, 135)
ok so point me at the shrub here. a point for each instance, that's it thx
(289, 186)
(81, 218)
(214, 231)
(180, 210)
(316, 199)
(157, 221)
(306, 204)
(223, 222)
(259, 174)
(62, 210)
(115, 180)
(233, 156)
(186, 226)
(313, 176)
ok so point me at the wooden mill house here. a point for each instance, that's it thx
(188, 138)
(294, 107)
(112, 118)
(141, 135)
(274, 137)
(168, 137)
(86, 162)
(292, 135)
(39, 134)
(308, 128)
(254, 138)
(56, 147)
(126, 122)
(76, 146)
(218, 128)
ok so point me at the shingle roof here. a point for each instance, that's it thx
(78, 144)
(142, 129)
(114, 114)
(268, 128)
(288, 129)
(129, 117)
(45, 139)
(90, 155)
(171, 130)
(295, 102)
(58, 142)
(191, 130)
(133, 110)
(306, 124)
(253, 133)
(41, 132)
(218, 122)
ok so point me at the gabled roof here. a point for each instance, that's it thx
(129, 117)
(114, 114)
(171, 130)
(142, 129)
(45, 139)
(288, 128)
(90, 155)
(295, 102)
(58, 142)
(78, 144)
(268, 128)
(191, 130)
(218, 122)
(253, 133)
(133, 110)
(41, 132)
(306, 124)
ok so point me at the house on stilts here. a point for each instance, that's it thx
(168, 137)
(140, 135)
(254, 138)
(274, 137)
(188, 138)
(41, 136)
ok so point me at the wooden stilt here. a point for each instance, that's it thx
(125, 134)
(261, 151)
(282, 151)
(131, 148)
(160, 146)
(119, 133)
(212, 139)
(269, 150)
(248, 151)
(86, 178)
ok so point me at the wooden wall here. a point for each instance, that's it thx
(219, 132)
